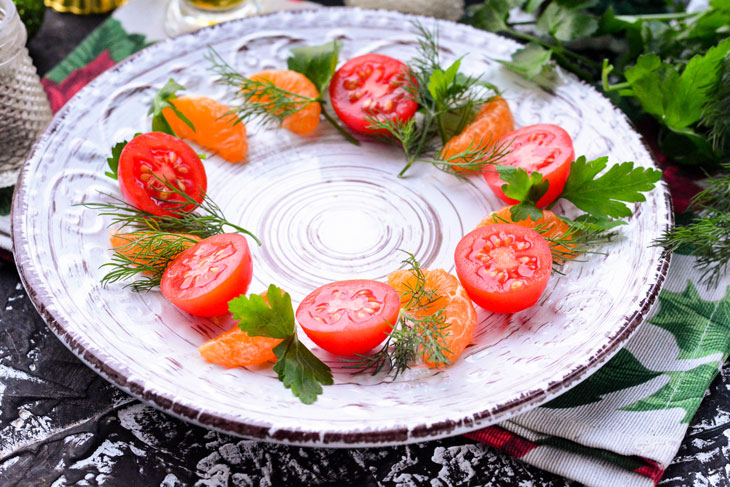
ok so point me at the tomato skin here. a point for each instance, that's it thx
(154, 155)
(545, 148)
(371, 83)
(489, 267)
(202, 279)
(349, 317)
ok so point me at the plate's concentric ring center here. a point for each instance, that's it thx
(338, 216)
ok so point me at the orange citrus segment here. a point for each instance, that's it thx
(214, 130)
(235, 348)
(552, 226)
(493, 121)
(132, 244)
(459, 311)
(305, 120)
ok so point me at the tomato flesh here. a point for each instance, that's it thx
(503, 267)
(202, 279)
(372, 84)
(545, 148)
(349, 317)
(149, 163)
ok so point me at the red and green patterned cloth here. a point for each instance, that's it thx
(624, 424)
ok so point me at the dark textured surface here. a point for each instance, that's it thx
(62, 425)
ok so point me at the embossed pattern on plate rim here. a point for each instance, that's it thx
(364, 437)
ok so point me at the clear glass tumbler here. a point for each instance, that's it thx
(189, 15)
(24, 108)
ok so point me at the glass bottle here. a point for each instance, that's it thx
(84, 6)
(24, 108)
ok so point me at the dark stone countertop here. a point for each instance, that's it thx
(63, 425)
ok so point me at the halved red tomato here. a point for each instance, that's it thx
(503, 267)
(349, 317)
(150, 163)
(202, 279)
(372, 84)
(545, 148)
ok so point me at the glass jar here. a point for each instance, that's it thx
(24, 108)
(84, 6)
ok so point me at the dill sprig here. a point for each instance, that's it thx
(262, 99)
(448, 102)
(707, 237)
(154, 240)
(415, 335)
(258, 99)
(580, 238)
(145, 257)
(202, 219)
(715, 113)
(475, 157)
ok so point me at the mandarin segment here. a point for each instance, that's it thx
(136, 246)
(305, 120)
(215, 126)
(493, 121)
(458, 309)
(236, 348)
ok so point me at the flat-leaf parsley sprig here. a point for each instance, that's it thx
(296, 366)
(157, 248)
(415, 335)
(602, 194)
(261, 99)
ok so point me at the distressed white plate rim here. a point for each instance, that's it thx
(326, 210)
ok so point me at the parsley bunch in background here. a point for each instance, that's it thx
(652, 58)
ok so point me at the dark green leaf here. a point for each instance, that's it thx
(521, 186)
(523, 211)
(566, 23)
(529, 61)
(492, 15)
(317, 63)
(300, 370)
(604, 196)
(113, 161)
(162, 100)
(6, 200)
(441, 82)
(274, 320)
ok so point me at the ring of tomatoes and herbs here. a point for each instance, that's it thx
(203, 278)
(150, 164)
(371, 85)
(349, 317)
(545, 148)
(504, 267)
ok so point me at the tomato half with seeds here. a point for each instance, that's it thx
(504, 267)
(150, 163)
(372, 84)
(349, 317)
(545, 148)
(202, 279)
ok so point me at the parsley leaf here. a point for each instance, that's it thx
(604, 196)
(566, 23)
(274, 320)
(317, 63)
(526, 188)
(529, 61)
(300, 370)
(492, 15)
(297, 368)
(162, 100)
(113, 161)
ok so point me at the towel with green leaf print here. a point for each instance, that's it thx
(624, 424)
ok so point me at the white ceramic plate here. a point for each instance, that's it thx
(326, 210)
